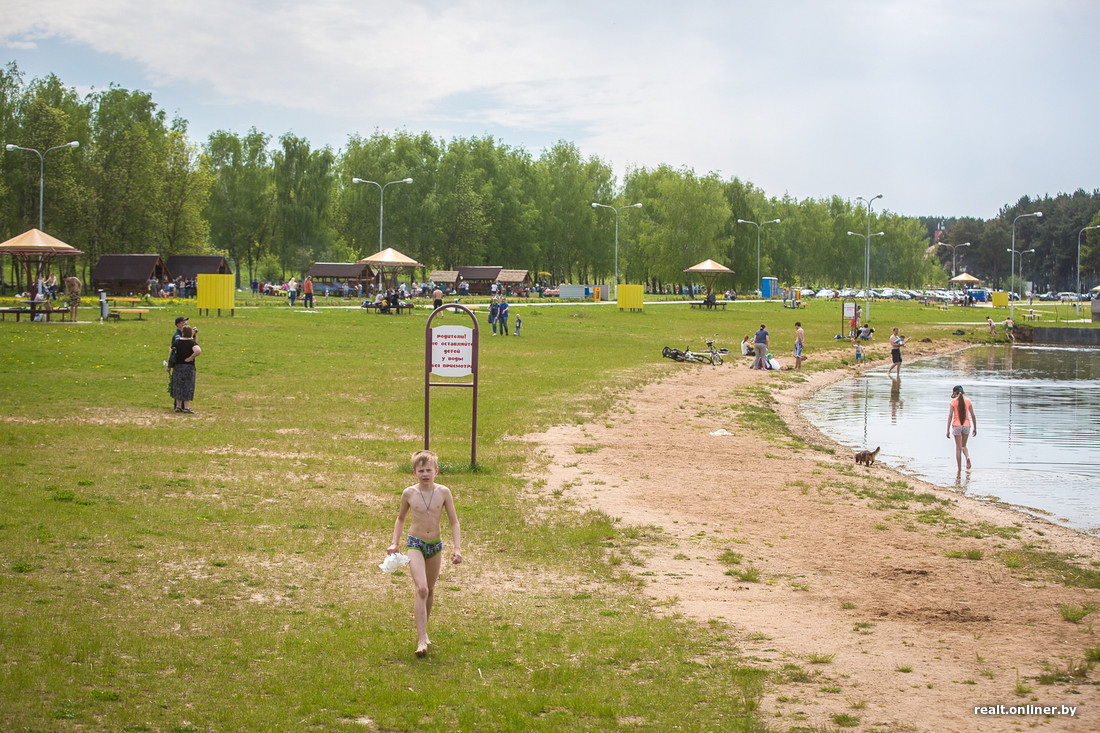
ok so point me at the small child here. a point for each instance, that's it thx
(859, 354)
(518, 324)
(424, 537)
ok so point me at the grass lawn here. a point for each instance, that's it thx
(218, 571)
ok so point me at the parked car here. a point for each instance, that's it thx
(826, 293)
(1067, 297)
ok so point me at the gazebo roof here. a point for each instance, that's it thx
(390, 258)
(708, 267)
(514, 277)
(480, 272)
(444, 276)
(966, 277)
(128, 267)
(348, 270)
(190, 266)
(37, 242)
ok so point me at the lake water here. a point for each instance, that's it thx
(1038, 415)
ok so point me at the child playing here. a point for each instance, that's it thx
(518, 324)
(859, 354)
(426, 501)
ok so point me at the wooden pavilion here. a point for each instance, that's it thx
(127, 274)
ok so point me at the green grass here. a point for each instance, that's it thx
(1075, 613)
(218, 571)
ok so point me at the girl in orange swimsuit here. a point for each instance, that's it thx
(961, 424)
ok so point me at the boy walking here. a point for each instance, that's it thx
(425, 501)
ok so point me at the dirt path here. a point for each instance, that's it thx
(859, 608)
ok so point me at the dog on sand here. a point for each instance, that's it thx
(867, 457)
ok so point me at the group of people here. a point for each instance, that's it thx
(498, 316)
(757, 347)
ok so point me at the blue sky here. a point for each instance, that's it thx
(951, 108)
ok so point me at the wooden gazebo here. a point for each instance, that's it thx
(34, 249)
(387, 264)
(124, 274)
(708, 270)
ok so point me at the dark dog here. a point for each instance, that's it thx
(867, 457)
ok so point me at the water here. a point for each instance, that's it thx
(1038, 415)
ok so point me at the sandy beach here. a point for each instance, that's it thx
(882, 602)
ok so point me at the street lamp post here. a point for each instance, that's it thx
(616, 210)
(1025, 252)
(867, 258)
(42, 171)
(381, 201)
(1012, 269)
(1079, 293)
(746, 221)
(867, 288)
(954, 249)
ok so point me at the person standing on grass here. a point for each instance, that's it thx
(502, 316)
(72, 286)
(961, 424)
(760, 345)
(799, 342)
(437, 298)
(423, 504)
(896, 342)
(292, 290)
(494, 309)
(183, 373)
(307, 292)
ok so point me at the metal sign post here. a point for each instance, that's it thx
(451, 351)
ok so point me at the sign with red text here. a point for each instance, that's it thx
(452, 353)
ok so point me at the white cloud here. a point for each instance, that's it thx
(938, 104)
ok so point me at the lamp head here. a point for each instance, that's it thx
(9, 146)
(73, 144)
(1039, 214)
(357, 180)
(635, 206)
(773, 221)
(878, 234)
(406, 180)
(855, 235)
(739, 221)
(595, 205)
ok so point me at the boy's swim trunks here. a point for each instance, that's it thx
(427, 549)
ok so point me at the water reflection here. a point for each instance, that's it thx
(1037, 408)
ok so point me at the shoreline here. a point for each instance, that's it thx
(787, 407)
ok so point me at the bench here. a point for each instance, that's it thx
(19, 311)
(704, 304)
(116, 312)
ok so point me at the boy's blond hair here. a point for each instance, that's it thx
(424, 456)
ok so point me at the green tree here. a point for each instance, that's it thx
(240, 205)
(303, 185)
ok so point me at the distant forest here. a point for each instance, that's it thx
(138, 183)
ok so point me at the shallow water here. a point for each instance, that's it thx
(1038, 425)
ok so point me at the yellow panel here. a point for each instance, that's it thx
(630, 297)
(216, 291)
(1000, 300)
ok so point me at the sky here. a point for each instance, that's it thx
(947, 108)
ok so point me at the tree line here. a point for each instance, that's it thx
(138, 184)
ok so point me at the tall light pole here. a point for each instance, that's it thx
(746, 221)
(1079, 266)
(954, 249)
(867, 258)
(42, 171)
(381, 201)
(1012, 270)
(867, 288)
(616, 210)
